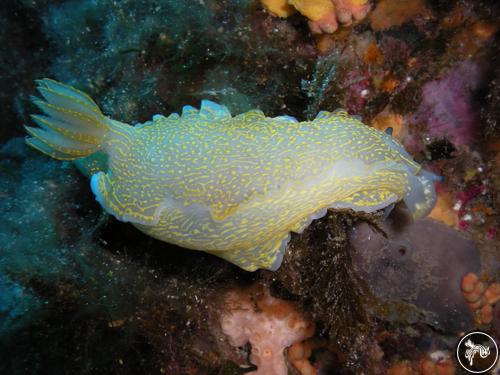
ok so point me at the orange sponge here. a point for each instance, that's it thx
(480, 297)
(279, 8)
(324, 15)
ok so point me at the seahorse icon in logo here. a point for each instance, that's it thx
(477, 352)
(474, 349)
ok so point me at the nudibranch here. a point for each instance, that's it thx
(233, 186)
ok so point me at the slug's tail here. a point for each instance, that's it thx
(72, 126)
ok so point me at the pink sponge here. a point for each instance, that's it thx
(270, 325)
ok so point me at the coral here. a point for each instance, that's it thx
(480, 297)
(324, 15)
(270, 325)
(447, 107)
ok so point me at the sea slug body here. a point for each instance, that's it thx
(233, 186)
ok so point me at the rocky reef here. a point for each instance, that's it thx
(356, 293)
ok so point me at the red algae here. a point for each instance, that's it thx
(447, 107)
